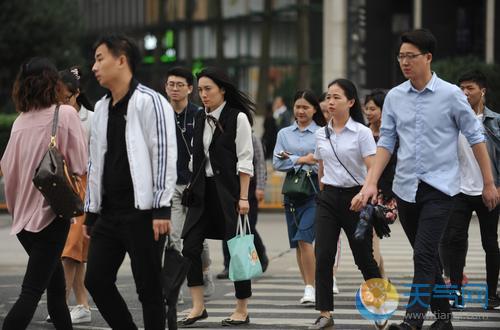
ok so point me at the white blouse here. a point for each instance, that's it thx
(243, 140)
(352, 145)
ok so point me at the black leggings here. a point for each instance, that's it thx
(44, 271)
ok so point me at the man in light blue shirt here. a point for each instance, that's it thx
(426, 114)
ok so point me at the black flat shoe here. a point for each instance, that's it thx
(191, 320)
(229, 322)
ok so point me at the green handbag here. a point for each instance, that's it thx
(298, 184)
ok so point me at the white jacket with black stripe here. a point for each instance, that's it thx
(151, 150)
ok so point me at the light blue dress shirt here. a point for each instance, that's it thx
(299, 143)
(427, 123)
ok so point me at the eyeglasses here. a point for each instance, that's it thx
(408, 56)
(172, 84)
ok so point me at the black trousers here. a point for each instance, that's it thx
(257, 240)
(333, 214)
(454, 241)
(424, 223)
(112, 237)
(193, 241)
(44, 271)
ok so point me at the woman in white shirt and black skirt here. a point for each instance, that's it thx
(222, 167)
(345, 150)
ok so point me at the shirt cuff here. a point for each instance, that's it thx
(90, 218)
(245, 167)
(294, 159)
(163, 213)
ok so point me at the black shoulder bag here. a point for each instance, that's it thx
(52, 178)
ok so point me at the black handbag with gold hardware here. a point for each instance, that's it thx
(52, 178)
(298, 185)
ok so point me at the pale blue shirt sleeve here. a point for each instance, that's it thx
(388, 134)
(467, 122)
(283, 165)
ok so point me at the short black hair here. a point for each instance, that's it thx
(423, 39)
(181, 72)
(475, 76)
(120, 44)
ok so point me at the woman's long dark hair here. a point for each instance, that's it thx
(71, 79)
(310, 97)
(234, 97)
(351, 93)
(37, 85)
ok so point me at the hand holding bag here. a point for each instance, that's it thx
(52, 178)
(298, 185)
(244, 263)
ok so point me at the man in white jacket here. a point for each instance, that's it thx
(131, 179)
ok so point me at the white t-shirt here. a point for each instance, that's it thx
(471, 180)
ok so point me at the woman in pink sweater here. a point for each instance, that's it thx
(35, 94)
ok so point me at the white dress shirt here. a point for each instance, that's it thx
(352, 145)
(243, 140)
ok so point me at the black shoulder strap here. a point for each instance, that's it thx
(54, 127)
(327, 134)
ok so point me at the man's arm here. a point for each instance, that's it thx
(369, 189)
(490, 193)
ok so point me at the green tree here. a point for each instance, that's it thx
(49, 28)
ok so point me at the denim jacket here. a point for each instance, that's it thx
(491, 122)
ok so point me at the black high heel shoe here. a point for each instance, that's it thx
(191, 320)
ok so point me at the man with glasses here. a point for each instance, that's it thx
(178, 85)
(426, 114)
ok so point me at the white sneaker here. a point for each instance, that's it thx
(208, 284)
(80, 314)
(335, 288)
(309, 295)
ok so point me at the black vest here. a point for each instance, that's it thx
(222, 151)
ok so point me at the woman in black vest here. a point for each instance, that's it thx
(222, 167)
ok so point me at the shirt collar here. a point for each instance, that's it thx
(350, 125)
(133, 85)
(431, 85)
(311, 127)
(216, 113)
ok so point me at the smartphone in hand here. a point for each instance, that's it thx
(283, 154)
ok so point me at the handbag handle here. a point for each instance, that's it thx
(242, 226)
(53, 143)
